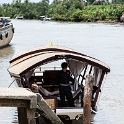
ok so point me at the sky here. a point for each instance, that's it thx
(10, 1)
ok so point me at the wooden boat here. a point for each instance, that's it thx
(35, 63)
(45, 18)
(19, 17)
(6, 32)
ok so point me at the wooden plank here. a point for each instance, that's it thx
(22, 116)
(18, 94)
(14, 103)
(26, 116)
(87, 99)
(31, 116)
(53, 118)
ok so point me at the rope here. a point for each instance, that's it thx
(11, 83)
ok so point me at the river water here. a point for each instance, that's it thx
(101, 41)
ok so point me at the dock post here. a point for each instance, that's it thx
(22, 115)
(26, 115)
(87, 99)
(23, 99)
(31, 116)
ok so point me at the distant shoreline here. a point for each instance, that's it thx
(111, 21)
(99, 21)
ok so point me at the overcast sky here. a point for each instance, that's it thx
(10, 1)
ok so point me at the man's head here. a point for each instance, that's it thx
(64, 66)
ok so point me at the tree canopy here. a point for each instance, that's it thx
(64, 10)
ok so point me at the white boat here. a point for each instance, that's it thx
(19, 17)
(6, 32)
(45, 18)
(36, 63)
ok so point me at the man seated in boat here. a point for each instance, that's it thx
(63, 77)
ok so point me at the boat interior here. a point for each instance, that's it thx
(44, 77)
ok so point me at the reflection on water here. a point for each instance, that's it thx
(6, 51)
(101, 41)
(5, 56)
(7, 115)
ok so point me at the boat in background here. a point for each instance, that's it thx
(6, 31)
(45, 18)
(19, 17)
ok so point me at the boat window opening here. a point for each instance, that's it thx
(75, 67)
(87, 70)
(101, 89)
(102, 74)
(80, 79)
(83, 75)
(97, 75)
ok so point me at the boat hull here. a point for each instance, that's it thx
(6, 35)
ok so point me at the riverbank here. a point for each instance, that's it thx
(74, 11)
(111, 21)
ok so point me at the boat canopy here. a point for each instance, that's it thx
(29, 60)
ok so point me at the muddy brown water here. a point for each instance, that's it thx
(102, 41)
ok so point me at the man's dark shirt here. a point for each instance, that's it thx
(63, 77)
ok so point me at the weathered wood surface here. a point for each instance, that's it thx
(26, 101)
(51, 116)
(23, 99)
(22, 96)
(87, 99)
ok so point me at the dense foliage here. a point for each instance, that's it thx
(63, 10)
(28, 10)
(87, 13)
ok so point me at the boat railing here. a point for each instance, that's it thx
(8, 26)
(40, 69)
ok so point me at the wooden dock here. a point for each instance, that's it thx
(27, 103)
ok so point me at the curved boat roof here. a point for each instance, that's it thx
(22, 63)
